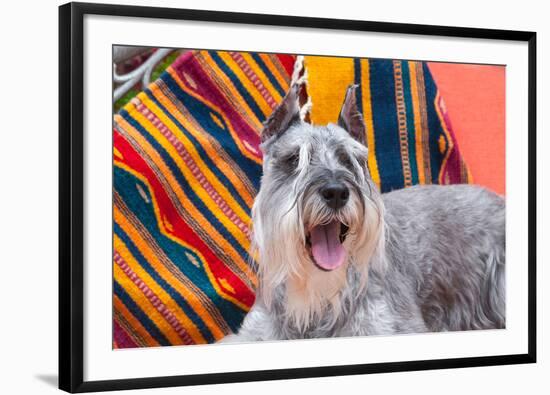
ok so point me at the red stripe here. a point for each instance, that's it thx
(288, 62)
(121, 339)
(450, 170)
(193, 167)
(251, 75)
(154, 299)
(210, 91)
(182, 230)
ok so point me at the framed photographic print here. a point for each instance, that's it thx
(238, 188)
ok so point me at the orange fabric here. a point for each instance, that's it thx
(328, 78)
(475, 100)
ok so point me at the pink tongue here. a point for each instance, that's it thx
(326, 247)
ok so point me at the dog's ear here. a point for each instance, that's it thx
(284, 115)
(350, 117)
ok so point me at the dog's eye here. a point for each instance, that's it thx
(290, 161)
(345, 160)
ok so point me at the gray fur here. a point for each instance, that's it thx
(421, 259)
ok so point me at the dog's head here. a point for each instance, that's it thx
(317, 206)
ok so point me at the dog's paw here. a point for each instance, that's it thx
(231, 338)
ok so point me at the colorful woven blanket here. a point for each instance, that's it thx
(187, 167)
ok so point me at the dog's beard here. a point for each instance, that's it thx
(306, 247)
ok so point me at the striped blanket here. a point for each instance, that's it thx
(187, 167)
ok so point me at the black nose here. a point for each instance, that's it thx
(335, 194)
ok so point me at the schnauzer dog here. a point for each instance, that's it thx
(337, 258)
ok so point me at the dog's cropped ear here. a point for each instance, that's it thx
(284, 115)
(350, 117)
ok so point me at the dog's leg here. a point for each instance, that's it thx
(257, 326)
(232, 338)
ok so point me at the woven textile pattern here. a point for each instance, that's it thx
(187, 166)
(408, 131)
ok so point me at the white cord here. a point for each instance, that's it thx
(143, 73)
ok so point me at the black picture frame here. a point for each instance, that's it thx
(71, 196)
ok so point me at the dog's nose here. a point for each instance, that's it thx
(335, 194)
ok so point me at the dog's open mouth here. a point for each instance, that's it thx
(325, 245)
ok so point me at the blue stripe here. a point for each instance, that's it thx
(410, 121)
(189, 191)
(252, 170)
(386, 137)
(257, 58)
(238, 85)
(201, 113)
(357, 81)
(125, 185)
(140, 315)
(197, 320)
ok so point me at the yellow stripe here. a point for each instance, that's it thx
(134, 323)
(151, 257)
(248, 85)
(166, 299)
(250, 274)
(117, 154)
(417, 122)
(369, 123)
(145, 305)
(281, 79)
(239, 235)
(195, 129)
(218, 240)
(234, 97)
(327, 89)
(182, 197)
(262, 76)
(212, 151)
(191, 149)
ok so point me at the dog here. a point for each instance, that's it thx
(338, 258)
